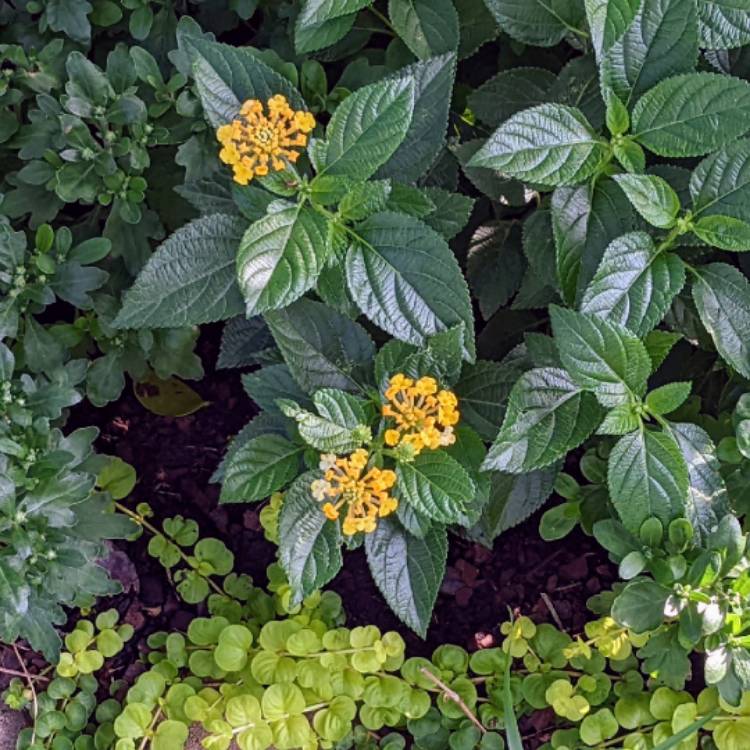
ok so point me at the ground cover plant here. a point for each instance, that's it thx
(334, 333)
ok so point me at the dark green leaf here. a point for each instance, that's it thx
(261, 466)
(661, 40)
(322, 348)
(547, 416)
(407, 570)
(634, 284)
(321, 23)
(538, 22)
(722, 297)
(652, 197)
(425, 136)
(367, 128)
(640, 606)
(692, 114)
(436, 486)
(509, 92)
(227, 76)
(584, 221)
(551, 144)
(190, 279)
(601, 356)
(647, 476)
(280, 258)
(707, 499)
(309, 544)
(405, 278)
(724, 232)
(720, 184)
(427, 27)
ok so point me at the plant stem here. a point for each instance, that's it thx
(34, 701)
(452, 695)
(141, 521)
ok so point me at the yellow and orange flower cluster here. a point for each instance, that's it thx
(257, 142)
(347, 482)
(423, 416)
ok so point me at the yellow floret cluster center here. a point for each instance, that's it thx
(363, 492)
(422, 415)
(259, 141)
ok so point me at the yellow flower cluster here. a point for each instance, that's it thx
(363, 492)
(256, 142)
(423, 416)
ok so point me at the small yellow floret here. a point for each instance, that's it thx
(347, 483)
(423, 416)
(255, 142)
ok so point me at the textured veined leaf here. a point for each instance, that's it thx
(482, 392)
(724, 232)
(245, 342)
(722, 297)
(510, 91)
(425, 136)
(720, 184)
(332, 429)
(261, 466)
(513, 498)
(436, 486)
(551, 144)
(584, 221)
(227, 76)
(269, 384)
(190, 279)
(404, 277)
(476, 26)
(724, 24)
(661, 40)
(322, 348)
(692, 114)
(427, 27)
(634, 284)
(547, 416)
(368, 127)
(652, 196)
(647, 476)
(608, 20)
(309, 544)
(495, 264)
(542, 23)
(280, 258)
(452, 211)
(601, 356)
(407, 570)
(707, 499)
(321, 23)
(578, 86)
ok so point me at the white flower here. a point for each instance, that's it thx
(320, 489)
(447, 437)
(327, 461)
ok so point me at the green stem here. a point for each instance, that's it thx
(383, 19)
